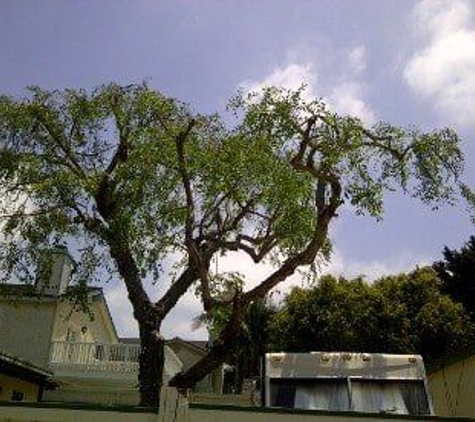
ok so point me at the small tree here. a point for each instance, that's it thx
(457, 272)
(405, 313)
(128, 178)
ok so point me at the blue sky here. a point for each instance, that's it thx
(405, 62)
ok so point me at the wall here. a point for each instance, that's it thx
(24, 323)
(78, 393)
(56, 413)
(222, 399)
(189, 358)
(453, 389)
(40, 412)
(97, 328)
(28, 321)
(8, 384)
(208, 413)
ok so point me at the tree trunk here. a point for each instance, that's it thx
(239, 372)
(188, 379)
(151, 358)
(216, 356)
(151, 364)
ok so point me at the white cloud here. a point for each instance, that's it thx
(254, 273)
(346, 97)
(121, 310)
(443, 69)
(357, 59)
(292, 76)
(178, 323)
(373, 269)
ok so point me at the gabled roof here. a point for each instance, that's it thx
(7, 289)
(200, 345)
(29, 291)
(19, 368)
(129, 340)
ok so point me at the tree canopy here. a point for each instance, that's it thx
(457, 272)
(405, 313)
(128, 178)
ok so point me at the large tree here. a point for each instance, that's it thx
(129, 179)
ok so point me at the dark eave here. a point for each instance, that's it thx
(441, 363)
(26, 371)
(20, 291)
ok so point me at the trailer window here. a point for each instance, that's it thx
(317, 394)
(388, 396)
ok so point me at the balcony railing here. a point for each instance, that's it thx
(95, 356)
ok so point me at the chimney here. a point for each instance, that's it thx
(55, 282)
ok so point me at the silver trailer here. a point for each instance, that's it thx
(361, 382)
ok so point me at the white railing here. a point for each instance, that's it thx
(95, 356)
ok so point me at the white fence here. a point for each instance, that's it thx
(95, 356)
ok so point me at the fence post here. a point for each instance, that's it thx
(173, 406)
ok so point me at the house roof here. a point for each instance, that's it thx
(30, 291)
(452, 359)
(200, 344)
(129, 340)
(19, 368)
(197, 344)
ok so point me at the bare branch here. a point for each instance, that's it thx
(186, 180)
(31, 214)
(70, 161)
(176, 291)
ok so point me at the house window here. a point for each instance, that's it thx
(320, 394)
(389, 396)
(17, 395)
(406, 397)
(70, 335)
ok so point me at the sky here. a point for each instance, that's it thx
(399, 61)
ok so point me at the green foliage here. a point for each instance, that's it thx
(367, 161)
(57, 146)
(63, 151)
(457, 272)
(398, 314)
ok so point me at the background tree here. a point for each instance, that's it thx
(406, 313)
(254, 342)
(129, 178)
(457, 272)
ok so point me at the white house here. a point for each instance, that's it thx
(89, 361)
